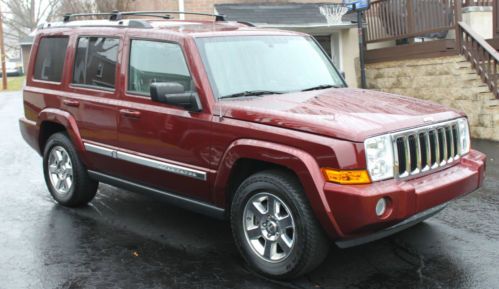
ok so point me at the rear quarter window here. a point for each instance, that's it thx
(50, 57)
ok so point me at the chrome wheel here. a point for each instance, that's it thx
(60, 170)
(269, 227)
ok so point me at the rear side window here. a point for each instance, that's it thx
(95, 62)
(50, 58)
(153, 61)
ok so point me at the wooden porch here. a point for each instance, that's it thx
(433, 28)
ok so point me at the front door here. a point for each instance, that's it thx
(162, 146)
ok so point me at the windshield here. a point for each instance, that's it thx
(239, 65)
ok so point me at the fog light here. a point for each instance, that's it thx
(381, 207)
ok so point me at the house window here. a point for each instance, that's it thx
(325, 42)
(332, 46)
(95, 62)
(50, 58)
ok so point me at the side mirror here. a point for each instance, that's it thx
(343, 74)
(174, 93)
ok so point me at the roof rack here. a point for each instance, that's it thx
(247, 23)
(117, 15)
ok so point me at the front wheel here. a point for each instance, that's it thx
(274, 227)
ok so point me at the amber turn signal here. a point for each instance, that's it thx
(344, 177)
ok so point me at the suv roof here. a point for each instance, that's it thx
(197, 27)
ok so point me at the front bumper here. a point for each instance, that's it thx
(353, 207)
(407, 223)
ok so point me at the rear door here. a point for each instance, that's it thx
(93, 95)
(163, 146)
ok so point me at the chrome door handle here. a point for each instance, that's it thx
(130, 113)
(70, 102)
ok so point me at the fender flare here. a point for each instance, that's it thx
(65, 119)
(296, 160)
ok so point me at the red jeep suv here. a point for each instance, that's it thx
(253, 125)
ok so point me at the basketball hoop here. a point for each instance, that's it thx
(333, 13)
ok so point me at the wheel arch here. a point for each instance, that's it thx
(245, 157)
(245, 167)
(48, 128)
(52, 121)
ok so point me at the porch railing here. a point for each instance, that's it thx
(483, 57)
(399, 19)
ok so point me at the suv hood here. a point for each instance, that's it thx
(344, 113)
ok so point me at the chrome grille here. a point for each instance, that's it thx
(425, 149)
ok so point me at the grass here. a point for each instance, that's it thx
(14, 83)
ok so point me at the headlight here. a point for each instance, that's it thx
(464, 135)
(379, 156)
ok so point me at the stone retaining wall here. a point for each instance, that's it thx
(447, 80)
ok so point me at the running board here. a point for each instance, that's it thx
(183, 202)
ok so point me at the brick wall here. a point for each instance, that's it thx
(138, 5)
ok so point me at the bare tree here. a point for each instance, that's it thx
(23, 16)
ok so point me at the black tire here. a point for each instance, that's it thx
(310, 246)
(82, 189)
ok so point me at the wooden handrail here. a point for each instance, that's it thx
(483, 57)
(480, 40)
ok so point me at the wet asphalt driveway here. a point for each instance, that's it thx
(125, 240)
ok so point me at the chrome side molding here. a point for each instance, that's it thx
(169, 197)
(147, 162)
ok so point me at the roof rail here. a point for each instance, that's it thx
(247, 23)
(117, 15)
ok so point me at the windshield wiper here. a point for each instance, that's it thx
(250, 93)
(322, 86)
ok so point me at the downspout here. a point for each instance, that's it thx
(181, 8)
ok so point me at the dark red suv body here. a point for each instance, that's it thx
(198, 155)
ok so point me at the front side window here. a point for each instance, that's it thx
(50, 58)
(95, 62)
(281, 64)
(153, 61)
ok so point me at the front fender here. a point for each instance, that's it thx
(65, 119)
(296, 160)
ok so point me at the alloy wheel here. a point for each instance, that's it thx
(269, 227)
(60, 170)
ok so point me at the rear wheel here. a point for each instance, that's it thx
(65, 175)
(274, 227)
